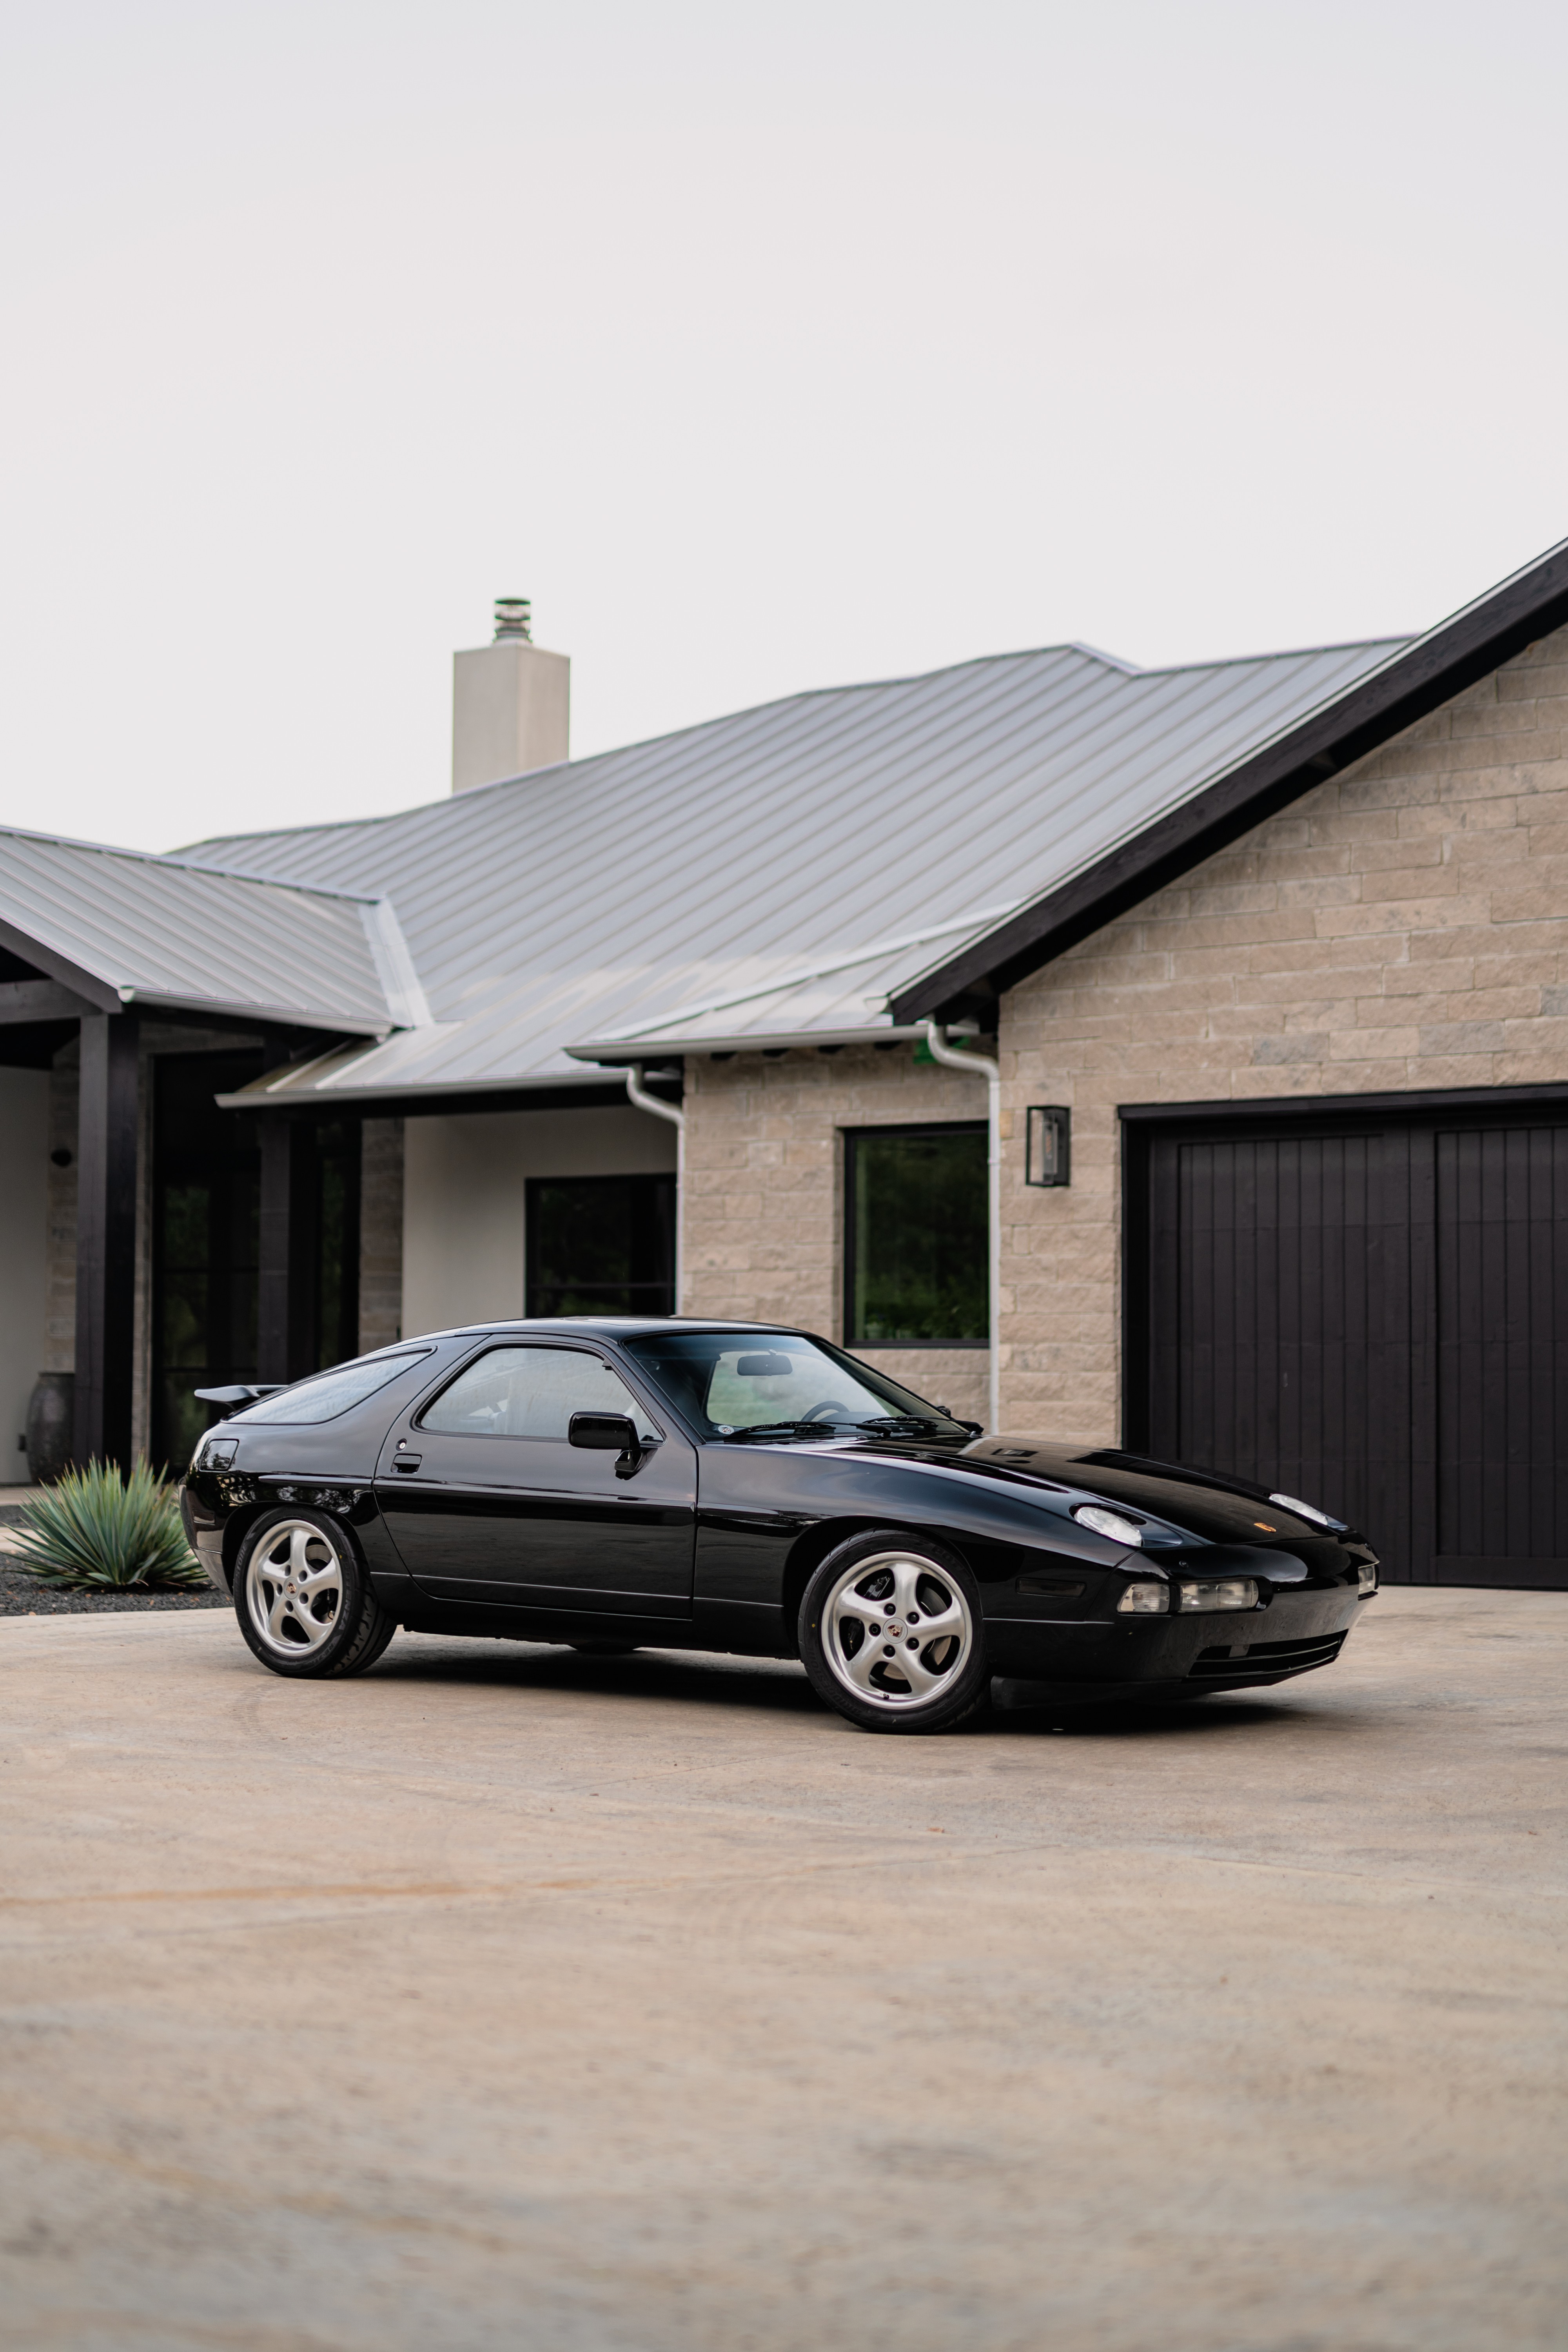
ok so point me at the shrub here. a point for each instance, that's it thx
(97, 1530)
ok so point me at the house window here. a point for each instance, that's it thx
(915, 1232)
(601, 1245)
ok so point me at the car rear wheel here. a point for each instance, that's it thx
(890, 1633)
(304, 1599)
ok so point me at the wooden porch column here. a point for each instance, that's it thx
(106, 1237)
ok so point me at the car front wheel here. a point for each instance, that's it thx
(304, 1599)
(890, 1633)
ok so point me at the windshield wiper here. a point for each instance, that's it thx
(787, 1428)
(898, 1423)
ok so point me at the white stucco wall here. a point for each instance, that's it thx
(24, 1220)
(463, 1201)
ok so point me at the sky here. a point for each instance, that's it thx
(762, 347)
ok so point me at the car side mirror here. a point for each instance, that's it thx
(608, 1433)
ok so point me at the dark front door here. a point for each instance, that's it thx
(1369, 1311)
(206, 1169)
(205, 1242)
(500, 1507)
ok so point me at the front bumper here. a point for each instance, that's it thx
(1295, 1633)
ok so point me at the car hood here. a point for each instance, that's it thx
(1220, 1509)
(1208, 1504)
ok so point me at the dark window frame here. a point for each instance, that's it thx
(533, 1192)
(852, 1138)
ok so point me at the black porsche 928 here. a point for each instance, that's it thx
(618, 1482)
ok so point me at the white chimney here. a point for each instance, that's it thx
(511, 703)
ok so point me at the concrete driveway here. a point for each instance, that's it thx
(508, 1999)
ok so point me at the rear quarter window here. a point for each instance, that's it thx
(325, 1395)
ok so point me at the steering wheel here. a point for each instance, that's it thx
(828, 1405)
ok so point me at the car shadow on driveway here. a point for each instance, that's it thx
(1020, 1710)
(779, 1687)
(709, 1678)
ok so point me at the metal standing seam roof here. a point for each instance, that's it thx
(149, 931)
(776, 872)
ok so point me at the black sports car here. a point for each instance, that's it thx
(607, 1483)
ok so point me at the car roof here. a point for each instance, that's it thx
(609, 1326)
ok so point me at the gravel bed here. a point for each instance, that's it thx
(23, 1596)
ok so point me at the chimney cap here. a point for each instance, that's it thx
(514, 618)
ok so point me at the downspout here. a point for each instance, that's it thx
(980, 1066)
(639, 1094)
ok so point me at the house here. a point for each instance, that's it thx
(1270, 957)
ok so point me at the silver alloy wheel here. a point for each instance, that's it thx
(294, 1588)
(895, 1629)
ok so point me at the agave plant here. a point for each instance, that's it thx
(99, 1531)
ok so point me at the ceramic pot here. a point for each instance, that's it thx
(51, 1426)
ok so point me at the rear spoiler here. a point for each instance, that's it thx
(243, 1392)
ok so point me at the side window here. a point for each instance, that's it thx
(915, 1232)
(531, 1392)
(601, 1245)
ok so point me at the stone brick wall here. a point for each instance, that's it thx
(381, 1233)
(1405, 925)
(764, 1212)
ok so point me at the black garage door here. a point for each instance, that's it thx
(1368, 1308)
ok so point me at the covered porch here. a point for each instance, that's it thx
(149, 1241)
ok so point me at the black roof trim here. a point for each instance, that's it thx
(1415, 1102)
(1429, 672)
(454, 1103)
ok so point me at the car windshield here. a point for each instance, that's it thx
(779, 1383)
(326, 1395)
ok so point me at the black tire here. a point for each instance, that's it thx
(311, 1626)
(910, 1581)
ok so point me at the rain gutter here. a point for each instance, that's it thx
(638, 1093)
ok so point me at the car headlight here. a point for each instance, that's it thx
(1305, 1510)
(1144, 1599)
(1107, 1523)
(1217, 1592)
(1366, 1578)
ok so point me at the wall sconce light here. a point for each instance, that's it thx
(1048, 1148)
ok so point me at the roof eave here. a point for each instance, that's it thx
(621, 1052)
(1356, 720)
(286, 1088)
(287, 1016)
(100, 993)
(105, 996)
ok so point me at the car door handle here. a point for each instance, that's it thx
(407, 1461)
